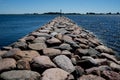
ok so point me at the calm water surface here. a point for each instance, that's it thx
(105, 27)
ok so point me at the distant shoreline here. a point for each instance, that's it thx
(58, 13)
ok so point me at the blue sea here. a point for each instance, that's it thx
(105, 27)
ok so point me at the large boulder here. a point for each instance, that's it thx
(54, 74)
(51, 52)
(7, 64)
(64, 62)
(20, 75)
(115, 66)
(42, 62)
(37, 46)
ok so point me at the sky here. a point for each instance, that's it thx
(67, 6)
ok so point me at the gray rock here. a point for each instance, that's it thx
(93, 52)
(7, 64)
(22, 45)
(81, 52)
(54, 74)
(11, 53)
(20, 75)
(65, 46)
(37, 46)
(64, 62)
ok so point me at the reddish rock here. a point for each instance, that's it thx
(28, 54)
(54, 74)
(91, 77)
(7, 64)
(111, 75)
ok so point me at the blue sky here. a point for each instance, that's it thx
(41, 6)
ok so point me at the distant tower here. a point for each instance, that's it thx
(60, 12)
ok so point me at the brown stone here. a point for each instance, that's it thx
(37, 46)
(28, 54)
(39, 40)
(29, 38)
(42, 62)
(7, 64)
(51, 52)
(23, 64)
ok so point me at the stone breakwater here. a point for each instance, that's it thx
(59, 50)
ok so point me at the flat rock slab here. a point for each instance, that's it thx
(20, 75)
(64, 62)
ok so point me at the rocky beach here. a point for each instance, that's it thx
(59, 50)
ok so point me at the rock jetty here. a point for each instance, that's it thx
(59, 50)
